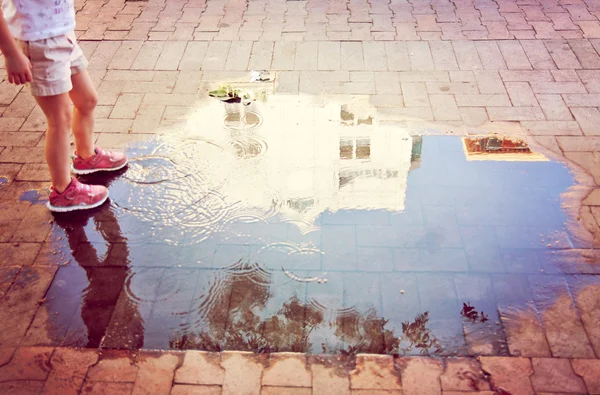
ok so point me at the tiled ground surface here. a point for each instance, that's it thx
(68, 371)
(527, 67)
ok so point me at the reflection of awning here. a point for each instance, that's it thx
(499, 149)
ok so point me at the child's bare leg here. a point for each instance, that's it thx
(84, 99)
(58, 114)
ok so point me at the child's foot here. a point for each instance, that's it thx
(77, 196)
(101, 161)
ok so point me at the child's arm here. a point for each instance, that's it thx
(18, 66)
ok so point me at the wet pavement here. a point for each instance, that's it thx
(323, 230)
(405, 194)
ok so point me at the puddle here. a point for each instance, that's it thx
(34, 197)
(317, 230)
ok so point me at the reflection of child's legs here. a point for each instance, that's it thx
(84, 99)
(57, 109)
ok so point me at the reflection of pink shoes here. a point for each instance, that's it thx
(77, 196)
(101, 161)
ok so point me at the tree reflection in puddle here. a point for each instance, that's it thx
(243, 292)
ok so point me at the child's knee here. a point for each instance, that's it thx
(87, 104)
(60, 118)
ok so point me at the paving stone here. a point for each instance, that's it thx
(27, 363)
(170, 55)
(376, 372)
(415, 94)
(327, 378)
(288, 82)
(489, 82)
(238, 56)
(444, 108)
(515, 113)
(587, 160)
(554, 107)
(243, 372)
(125, 55)
(156, 371)
(329, 56)
(473, 116)
(588, 305)
(387, 82)
(514, 55)
(193, 56)
(564, 330)
(528, 76)
(196, 390)
(463, 374)
(443, 55)
(558, 87)
(23, 254)
(555, 375)
(490, 55)
(589, 369)
(452, 88)
(589, 120)
(216, 55)
(585, 53)
(104, 388)
(285, 391)
(284, 55)
(287, 370)
(397, 56)
(537, 128)
(307, 56)
(420, 376)
(114, 366)
(510, 374)
(374, 56)
(262, 55)
(21, 387)
(69, 368)
(420, 55)
(466, 55)
(520, 94)
(21, 302)
(147, 56)
(562, 55)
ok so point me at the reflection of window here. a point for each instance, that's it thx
(355, 148)
(346, 149)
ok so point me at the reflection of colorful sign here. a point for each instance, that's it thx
(495, 148)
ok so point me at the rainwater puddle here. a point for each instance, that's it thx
(321, 232)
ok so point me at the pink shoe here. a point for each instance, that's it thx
(77, 196)
(102, 161)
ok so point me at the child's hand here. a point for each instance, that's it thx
(18, 68)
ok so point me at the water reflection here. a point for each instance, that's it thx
(317, 230)
(101, 289)
(243, 311)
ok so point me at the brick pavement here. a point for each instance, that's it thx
(526, 67)
(70, 371)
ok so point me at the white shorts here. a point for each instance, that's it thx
(54, 60)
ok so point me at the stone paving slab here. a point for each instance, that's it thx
(73, 371)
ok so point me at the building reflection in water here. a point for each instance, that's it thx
(205, 219)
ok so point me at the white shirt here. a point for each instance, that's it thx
(32, 20)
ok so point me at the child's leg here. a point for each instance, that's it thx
(84, 99)
(57, 109)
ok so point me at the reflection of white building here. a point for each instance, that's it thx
(316, 156)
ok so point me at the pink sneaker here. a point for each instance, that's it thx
(102, 161)
(77, 196)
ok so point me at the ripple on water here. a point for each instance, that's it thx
(174, 183)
